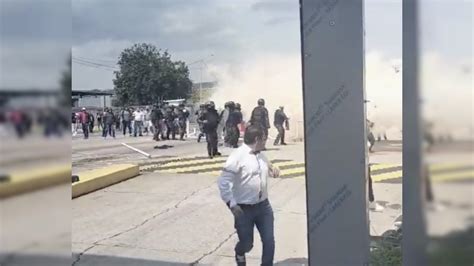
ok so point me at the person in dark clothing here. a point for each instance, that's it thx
(199, 115)
(126, 116)
(224, 118)
(170, 123)
(183, 116)
(280, 119)
(232, 126)
(99, 120)
(370, 135)
(84, 120)
(156, 117)
(260, 118)
(210, 123)
(109, 123)
(91, 122)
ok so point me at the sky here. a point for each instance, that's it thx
(258, 35)
(233, 31)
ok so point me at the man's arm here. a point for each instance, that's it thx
(273, 170)
(226, 181)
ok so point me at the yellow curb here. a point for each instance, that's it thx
(93, 180)
(34, 179)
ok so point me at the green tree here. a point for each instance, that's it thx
(147, 75)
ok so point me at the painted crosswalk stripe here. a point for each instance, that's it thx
(453, 176)
(207, 168)
(447, 167)
(383, 172)
(374, 167)
(385, 176)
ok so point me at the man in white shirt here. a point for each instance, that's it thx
(243, 187)
(138, 117)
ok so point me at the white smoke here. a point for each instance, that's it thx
(277, 79)
(447, 95)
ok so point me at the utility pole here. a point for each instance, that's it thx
(202, 62)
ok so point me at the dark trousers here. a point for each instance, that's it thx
(108, 129)
(137, 128)
(85, 130)
(182, 129)
(261, 216)
(371, 139)
(233, 134)
(157, 131)
(281, 135)
(371, 190)
(428, 188)
(171, 130)
(201, 132)
(91, 127)
(211, 138)
(126, 125)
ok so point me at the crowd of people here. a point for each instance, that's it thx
(49, 121)
(211, 123)
(162, 120)
(168, 122)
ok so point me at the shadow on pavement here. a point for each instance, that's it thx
(85, 260)
(292, 261)
(163, 147)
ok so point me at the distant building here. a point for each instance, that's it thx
(29, 98)
(92, 98)
(204, 85)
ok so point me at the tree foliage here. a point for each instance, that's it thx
(147, 75)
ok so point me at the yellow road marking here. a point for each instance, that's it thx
(385, 176)
(447, 166)
(453, 176)
(383, 166)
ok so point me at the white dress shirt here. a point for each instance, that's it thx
(138, 116)
(244, 177)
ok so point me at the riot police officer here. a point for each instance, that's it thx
(170, 123)
(279, 120)
(156, 117)
(260, 118)
(232, 126)
(182, 116)
(199, 114)
(210, 121)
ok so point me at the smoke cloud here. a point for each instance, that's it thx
(277, 79)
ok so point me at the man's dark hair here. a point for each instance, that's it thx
(252, 133)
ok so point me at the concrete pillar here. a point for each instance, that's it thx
(336, 155)
(414, 231)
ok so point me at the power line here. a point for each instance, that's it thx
(94, 66)
(93, 63)
(105, 61)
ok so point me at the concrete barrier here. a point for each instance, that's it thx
(93, 180)
(22, 181)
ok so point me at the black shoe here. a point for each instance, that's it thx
(284, 144)
(218, 154)
(275, 144)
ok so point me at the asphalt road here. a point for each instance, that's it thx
(173, 215)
